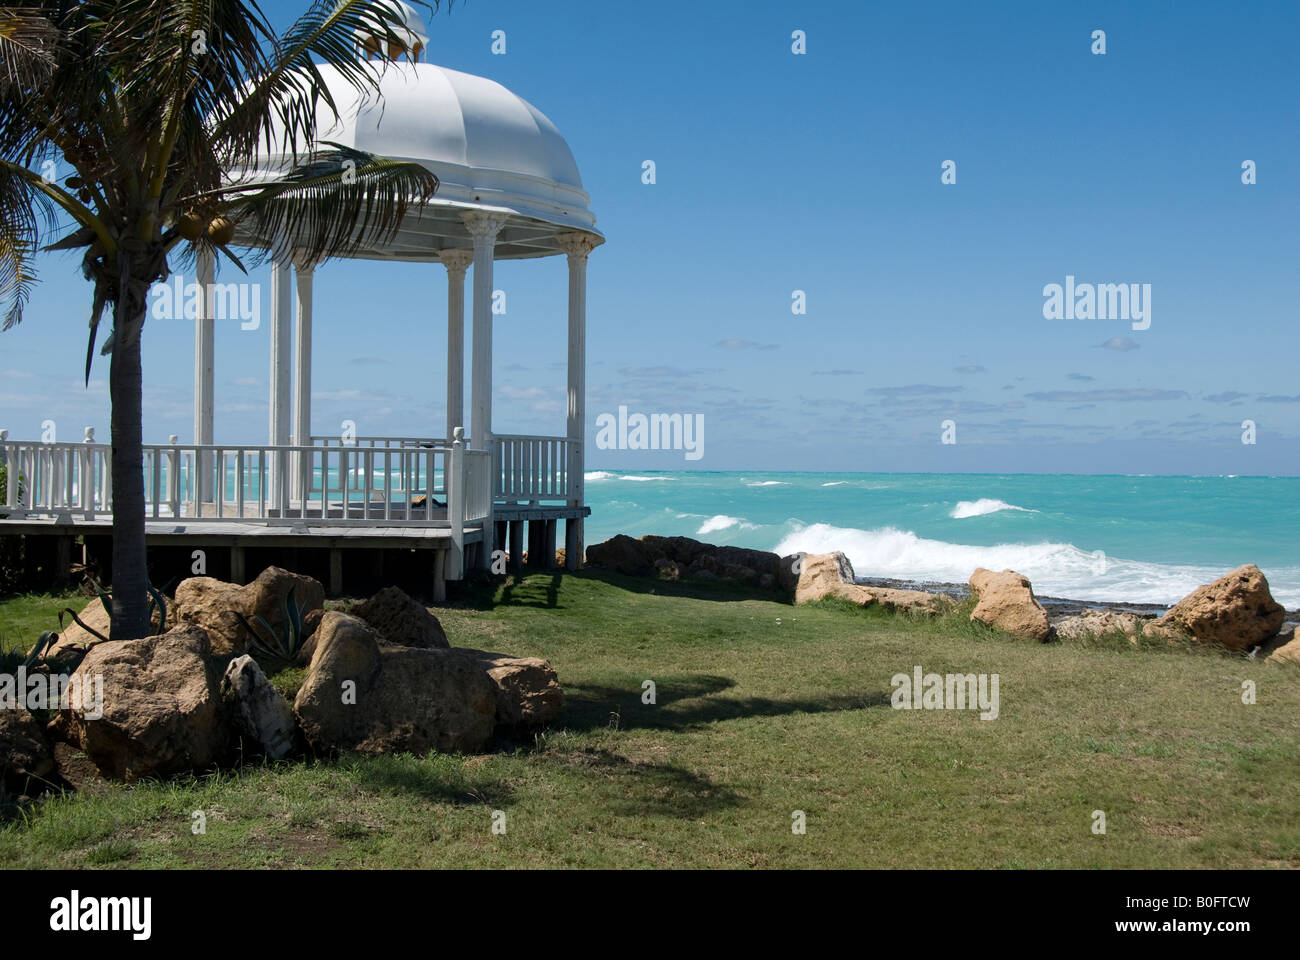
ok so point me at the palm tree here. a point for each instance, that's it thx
(153, 103)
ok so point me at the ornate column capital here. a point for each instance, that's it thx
(482, 224)
(456, 259)
(302, 263)
(577, 245)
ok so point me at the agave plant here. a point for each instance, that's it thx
(157, 602)
(283, 646)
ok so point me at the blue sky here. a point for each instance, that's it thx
(821, 173)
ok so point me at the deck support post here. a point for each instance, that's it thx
(204, 376)
(456, 261)
(483, 227)
(62, 561)
(573, 543)
(576, 246)
(548, 545)
(336, 572)
(516, 546)
(237, 564)
(440, 576)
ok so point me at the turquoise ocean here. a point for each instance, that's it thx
(1138, 539)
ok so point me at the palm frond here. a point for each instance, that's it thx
(335, 201)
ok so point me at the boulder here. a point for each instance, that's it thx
(1237, 611)
(401, 620)
(1006, 602)
(528, 693)
(788, 570)
(310, 624)
(1289, 649)
(1095, 623)
(26, 760)
(674, 558)
(919, 602)
(400, 698)
(823, 575)
(815, 576)
(77, 771)
(622, 554)
(74, 640)
(211, 604)
(162, 711)
(260, 711)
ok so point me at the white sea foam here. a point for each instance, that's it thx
(644, 479)
(767, 483)
(724, 522)
(983, 507)
(1056, 569)
(599, 475)
(835, 483)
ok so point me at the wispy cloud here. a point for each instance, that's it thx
(1228, 396)
(914, 390)
(735, 343)
(1131, 395)
(1122, 344)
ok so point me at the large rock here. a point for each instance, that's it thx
(399, 699)
(1236, 611)
(622, 554)
(261, 712)
(676, 558)
(74, 640)
(919, 602)
(1095, 623)
(212, 603)
(823, 575)
(162, 709)
(26, 761)
(1289, 649)
(815, 576)
(1006, 602)
(528, 692)
(401, 620)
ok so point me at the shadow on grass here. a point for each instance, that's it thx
(436, 778)
(687, 703)
(632, 788)
(539, 589)
(542, 589)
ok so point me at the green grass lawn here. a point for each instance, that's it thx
(763, 709)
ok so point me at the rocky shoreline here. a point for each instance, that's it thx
(1236, 612)
(1057, 607)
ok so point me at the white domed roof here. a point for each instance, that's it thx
(469, 126)
(490, 149)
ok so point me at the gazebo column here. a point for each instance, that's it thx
(483, 227)
(304, 273)
(576, 246)
(204, 393)
(281, 309)
(457, 262)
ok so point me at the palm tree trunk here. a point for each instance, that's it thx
(130, 616)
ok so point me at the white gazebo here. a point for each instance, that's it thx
(509, 189)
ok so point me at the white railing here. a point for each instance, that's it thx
(320, 485)
(533, 468)
(366, 480)
(57, 479)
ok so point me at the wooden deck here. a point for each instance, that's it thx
(233, 549)
(226, 545)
